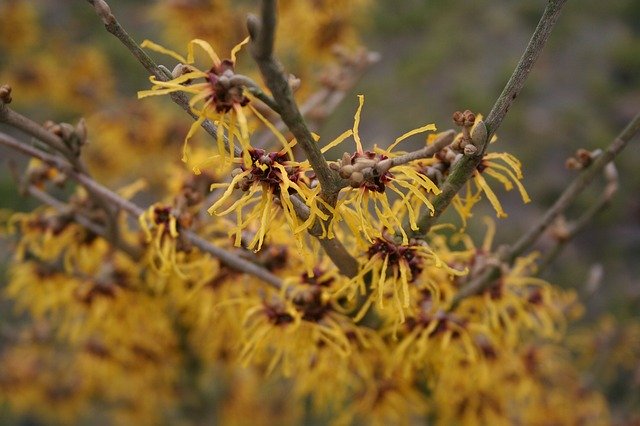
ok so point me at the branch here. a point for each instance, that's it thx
(579, 224)
(262, 34)
(91, 185)
(443, 140)
(465, 168)
(334, 248)
(575, 188)
(161, 73)
(325, 100)
(529, 57)
(133, 252)
(30, 127)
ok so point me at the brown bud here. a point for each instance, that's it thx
(470, 149)
(584, 157)
(346, 171)
(104, 12)
(479, 133)
(56, 129)
(67, 131)
(356, 179)
(458, 118)
(81, 131)
(5, 93)
(294, 82)
(469, 118)
(572, 164)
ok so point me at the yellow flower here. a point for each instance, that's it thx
(219, 97)
(501, 166)
(392, 271)
(370, 174)
(291, 330)
(268, 187)
(161, 228)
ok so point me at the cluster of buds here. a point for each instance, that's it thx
(74, 137)
(446, 157)
(471, 136)
(582, 159)
(364, 170)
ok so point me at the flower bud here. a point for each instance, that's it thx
(5, 94)
(479, 133)
(470, 149)
(104, 12)
(356, 179)
(81, 131)
(346, 171)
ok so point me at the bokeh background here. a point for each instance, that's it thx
(437, 57)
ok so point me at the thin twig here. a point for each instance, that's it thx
(30, 127)
(585, 219)
(575, 188)
(224, 256)
(464, 169)
(133, 252)
(443, 140)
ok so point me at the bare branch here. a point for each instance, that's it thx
(133, 252)
(91, 185)
(443, 140)
(262, 37)
(464, 169)
(585, 219)
(30, 127)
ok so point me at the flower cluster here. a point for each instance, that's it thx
(301, 296)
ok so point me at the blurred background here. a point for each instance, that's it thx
(437, 57)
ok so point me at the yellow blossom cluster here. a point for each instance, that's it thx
(134, 322)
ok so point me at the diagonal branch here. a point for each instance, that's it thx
(575, 188)
(603, 201)
(464, 169)
(131, 251)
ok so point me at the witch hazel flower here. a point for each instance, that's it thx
(366, 204)
(216, 93)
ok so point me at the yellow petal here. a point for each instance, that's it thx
(206, 47)
(157, 48)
